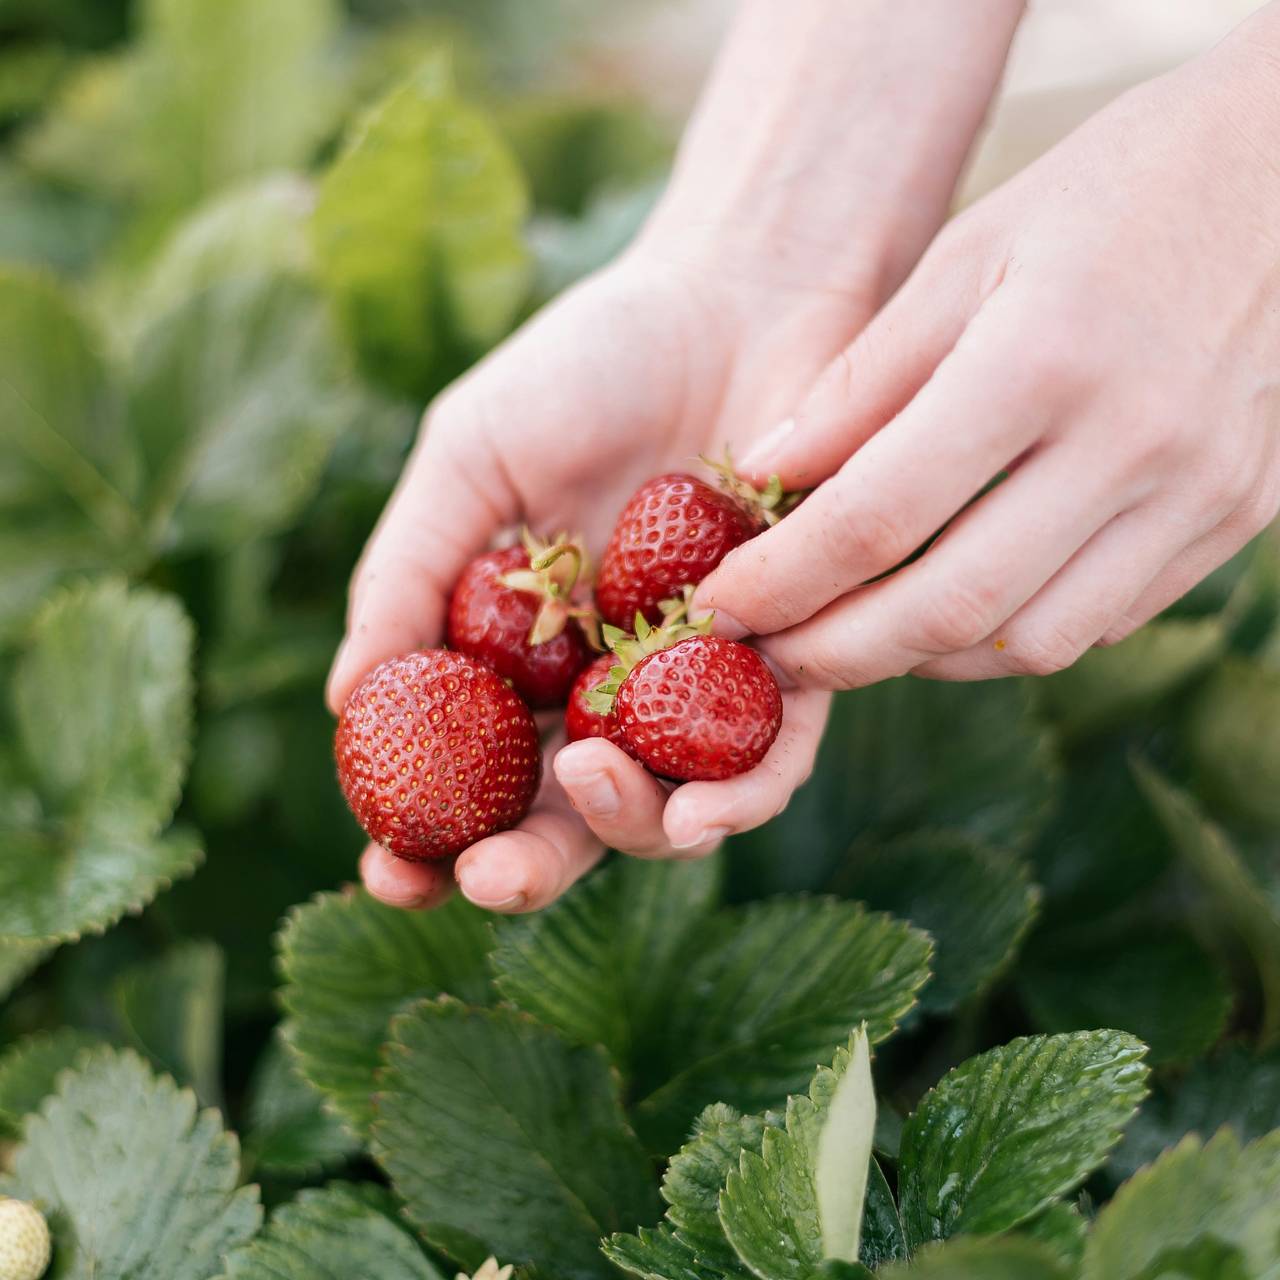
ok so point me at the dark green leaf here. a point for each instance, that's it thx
(1008, 1132)
(134, 1180)
(974, 903)
(498, 1133)
(1062, 1229)
(18, 958)
(29, 1070)
(349, 964)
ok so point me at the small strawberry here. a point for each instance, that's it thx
(513, 609)
(672, 533)
(581, 720)
(702, 709)
(435, 751)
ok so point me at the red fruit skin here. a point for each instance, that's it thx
(436, 752)
(579, 719)
(491, 621)
(673, 532)
(703, 710)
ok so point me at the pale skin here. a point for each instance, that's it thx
(1105, 328)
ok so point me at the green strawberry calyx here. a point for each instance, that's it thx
(767, 505)
(555, 569)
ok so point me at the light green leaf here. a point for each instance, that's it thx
(46, 225)
(1062, 1230)
(1008, 1132)
(235, 399)
(29, 1068)
(799, 1201)
(503, 1138)
(1233, 734)
(134, 1180)
(288, 1132)
(171, 1009)
(212, 91)
(768, 990)
(1161, 986)
(1209, 854)
(1109, 685)
(1200, 1212)
(1235, 1087)
(18, 958)
(349, 963)
(976, 905)
(601, 963)
(904, 755)
(964, 1259)
(336, 1232)
(417, 234)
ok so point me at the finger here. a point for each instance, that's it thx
(989, 563)
(701, 814)
(877, 375)
(615, 795)
(415, 886)
(443, 512)
(981, 410)
(530, 866)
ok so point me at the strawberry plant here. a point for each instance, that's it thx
(998, 996)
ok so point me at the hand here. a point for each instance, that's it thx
(1106, 329)
(634, 372)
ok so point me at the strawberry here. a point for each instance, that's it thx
(672, 533)
(435, 751)
(581, 720)
(513, 609)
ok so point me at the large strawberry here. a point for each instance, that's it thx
(435, 751)
(672, 533)
(514, 610)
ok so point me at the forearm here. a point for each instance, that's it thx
(830, 129)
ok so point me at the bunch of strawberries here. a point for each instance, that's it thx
(439, 748)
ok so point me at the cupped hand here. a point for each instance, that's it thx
(636, 371)
(1105, 329)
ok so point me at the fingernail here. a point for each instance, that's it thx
(490, 888)
(725, 624)
(761, 454)
(592, 793)
(710, 835)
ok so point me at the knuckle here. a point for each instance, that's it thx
(1043, 654)
(862, 535)
(955, 618)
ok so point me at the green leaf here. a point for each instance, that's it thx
(46, 225)
(171, 1010)
(334, 1233)
(1161, 986)
(1199, 1213)
(29, 1069)
(974, 903)
(135, 1181)
(1206, 850)
(799, 1201)
(503, 1138)
(211, 92)
(288, 1132)
(1235, 1087)
(767, 990)
(601, 963)
(18, 958)
(349, 964)
(1008, 1132)
(417, 234)
(1232, 732)
(904, 755)
(1007, 1259)
(1061, 1229)
(1110, 685)
(235, 399)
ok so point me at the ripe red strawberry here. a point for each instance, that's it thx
(436, 752)
(671, 534)
(581, 720)
(706, 708)
(512, 609)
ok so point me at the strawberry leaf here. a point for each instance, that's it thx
(504, 1139)
(976, 905)
(18, 958)
(29, 1069)
(1203, 1212)
(134, 1180)
(1008, 1132)
(417, 234)
(349, 964)
(965, 1259)
(334, 1233)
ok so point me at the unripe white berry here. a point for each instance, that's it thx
(25, 1246)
